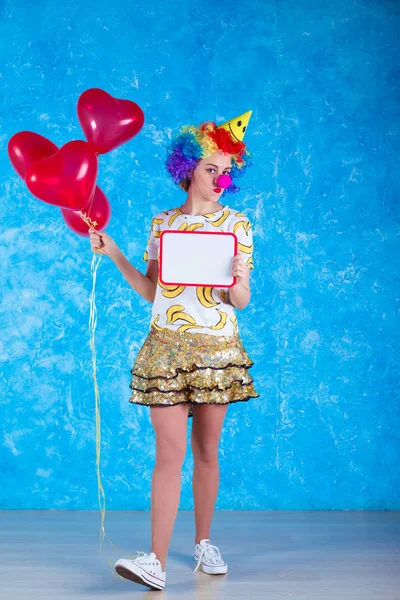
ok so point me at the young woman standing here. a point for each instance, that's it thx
(192, 363)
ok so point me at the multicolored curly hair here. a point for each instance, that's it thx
(194, 143)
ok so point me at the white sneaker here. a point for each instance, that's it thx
(209, 558)
(144, 569)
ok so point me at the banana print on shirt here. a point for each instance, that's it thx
(197, 308)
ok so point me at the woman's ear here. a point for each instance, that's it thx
(185, 185)
(188, 180)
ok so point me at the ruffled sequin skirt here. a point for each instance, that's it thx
(192, 368)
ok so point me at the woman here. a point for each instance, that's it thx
(192, 362)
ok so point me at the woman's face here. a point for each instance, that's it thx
(206, 173)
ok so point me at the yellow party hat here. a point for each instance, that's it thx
(237, 126)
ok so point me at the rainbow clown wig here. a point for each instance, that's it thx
(194, 143)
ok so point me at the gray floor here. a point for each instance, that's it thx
(292, 554)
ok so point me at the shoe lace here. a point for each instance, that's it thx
(143, 555)
(211, 553)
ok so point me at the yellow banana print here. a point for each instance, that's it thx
(224, 296)
(173, 309)
(239, 214)
(154, 324)
(245, 224)
(239, 224)
(173, 217)
(205, 297)
(194, 226)
(221, 219)
(171, 291)
(184, 328)
(176, 312)
(146, 256)
(179, 315)
(222, 322)
(157, 232)
(250, 263)
(235, 325)
(245, 249)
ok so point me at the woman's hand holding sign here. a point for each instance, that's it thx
(239, 294)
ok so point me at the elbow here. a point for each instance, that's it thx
(150, 289)
(153, 294)
(241, 305)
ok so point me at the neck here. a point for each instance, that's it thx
(196, 204)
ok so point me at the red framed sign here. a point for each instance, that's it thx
(197, 258)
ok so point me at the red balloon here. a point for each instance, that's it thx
(100, 211)
(67, 179)
(106, 121)
(25, 147)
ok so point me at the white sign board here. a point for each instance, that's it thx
(197, 258)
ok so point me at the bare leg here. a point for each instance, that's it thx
(206, 431)
(170, 426)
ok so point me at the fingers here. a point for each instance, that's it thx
(239, 269)
(238, 261)
(242, 273)
(94, 233)
(96, 240)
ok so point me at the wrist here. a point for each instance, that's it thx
(239, 295)
(116, 255)
(243, 285)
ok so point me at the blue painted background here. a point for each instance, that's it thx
(322, 79)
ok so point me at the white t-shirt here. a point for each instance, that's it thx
(197, 309)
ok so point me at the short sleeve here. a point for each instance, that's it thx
(244, 235)
(151, 252)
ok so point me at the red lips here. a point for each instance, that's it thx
(217, 190)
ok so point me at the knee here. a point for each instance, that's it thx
(170, 453)
(206, 454)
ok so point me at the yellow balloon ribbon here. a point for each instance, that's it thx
(92, 327)
(100, 492)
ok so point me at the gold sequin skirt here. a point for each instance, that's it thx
(192, 368)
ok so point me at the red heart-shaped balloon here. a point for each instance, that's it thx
(99, 210)
(107, 121)
(25, 147)
(67, 179)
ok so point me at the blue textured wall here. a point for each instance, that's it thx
(323, 81)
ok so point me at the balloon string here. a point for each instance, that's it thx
(85, 216)
(92, 326)
(100, 493)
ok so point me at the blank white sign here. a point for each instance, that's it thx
(197, 258)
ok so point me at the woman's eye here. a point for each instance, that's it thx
(225, 172)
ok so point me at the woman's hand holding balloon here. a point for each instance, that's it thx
(102, 243)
